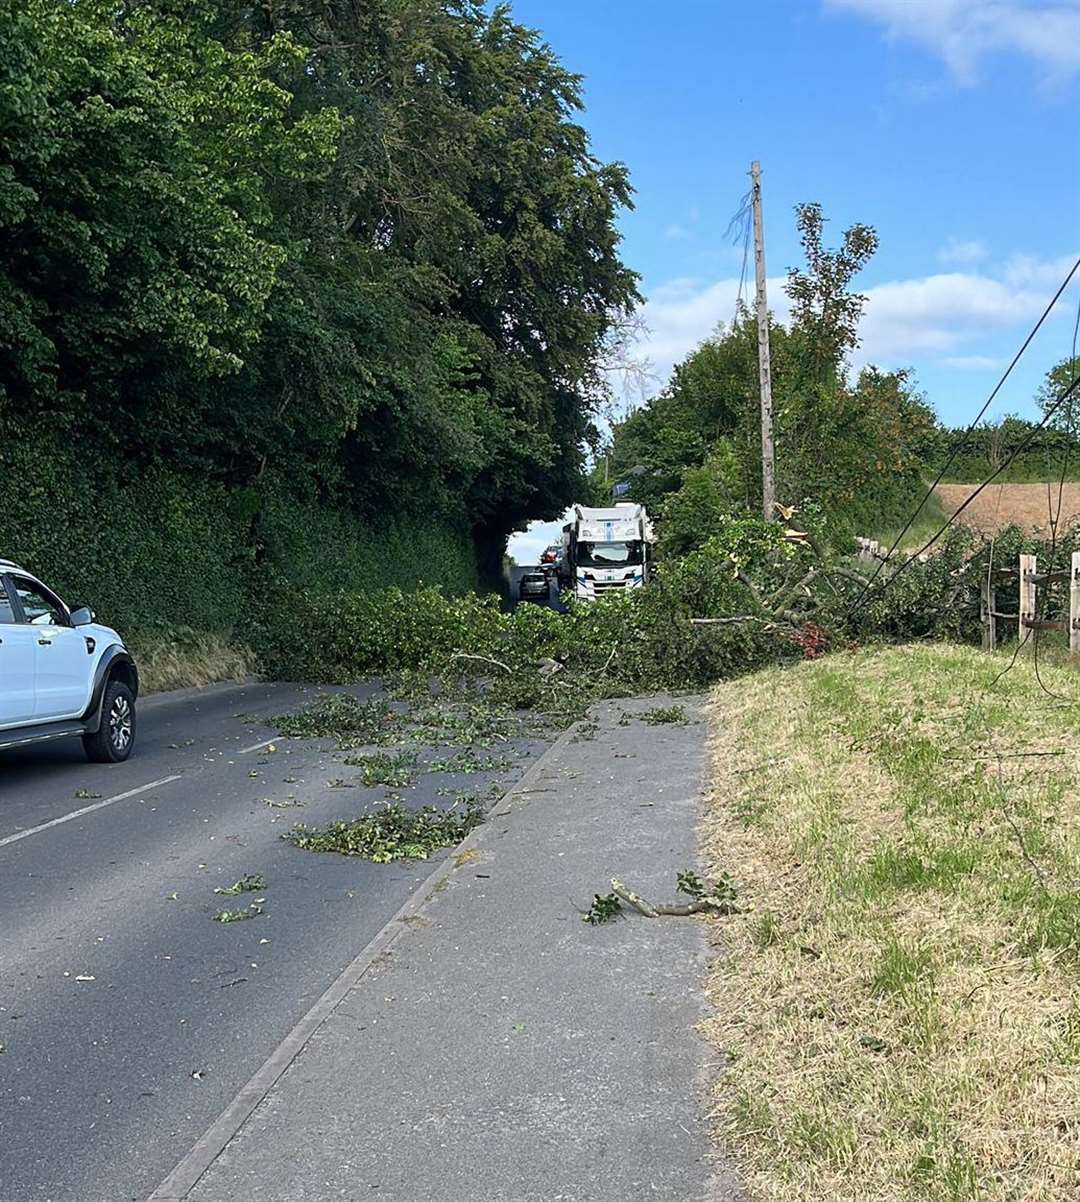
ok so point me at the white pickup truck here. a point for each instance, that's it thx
(61, 674)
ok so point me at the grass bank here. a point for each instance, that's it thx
(900, 1006)
(182, 658)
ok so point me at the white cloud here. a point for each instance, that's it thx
(683, 312)
(960, 253)
(904, 321)
(676, 232)
(963, 32)
(939, 312)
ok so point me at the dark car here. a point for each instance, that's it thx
(533, 586)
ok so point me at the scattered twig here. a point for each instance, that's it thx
(1028, 858)
(487, 659)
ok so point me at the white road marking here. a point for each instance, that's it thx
(98, 805)
(259, 746)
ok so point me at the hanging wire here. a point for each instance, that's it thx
(738, 230)
(865, 591)
(1054, 515)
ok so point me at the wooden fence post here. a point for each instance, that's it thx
(1027, 595)
(1074, 605)
(989, 621)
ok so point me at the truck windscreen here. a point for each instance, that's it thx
(609, 555)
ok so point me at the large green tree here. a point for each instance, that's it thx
(363, 249)
(845, 443)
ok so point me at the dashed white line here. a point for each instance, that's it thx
(98, 805)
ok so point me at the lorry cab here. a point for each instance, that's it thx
(607, 550)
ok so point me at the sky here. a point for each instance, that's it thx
(948, 125)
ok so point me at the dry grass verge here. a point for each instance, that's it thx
(900, 1009)
(181, 659)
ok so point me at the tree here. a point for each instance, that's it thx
(361, 252)
(134, 248)
(849, 446)
(1055, 387)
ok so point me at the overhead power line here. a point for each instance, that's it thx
(958, 444)
(1021, 446)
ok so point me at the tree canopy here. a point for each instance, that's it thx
(364, 248)
(845, 443)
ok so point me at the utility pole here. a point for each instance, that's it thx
(768, 454)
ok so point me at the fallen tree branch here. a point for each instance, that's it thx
(729, 621)
(699, 905)
(631, 898)
(486, 659)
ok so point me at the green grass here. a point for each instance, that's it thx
(182, 658)
(927, 523)
(907, 972)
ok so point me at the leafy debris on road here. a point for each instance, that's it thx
(467, 762)
(397, 771)
(665, 715)
(603, 909)
(252, 911)
(249, 883)
(393, 832)
(288, 804)
(87, 795)
(339, 715)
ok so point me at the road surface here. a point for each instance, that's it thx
(128, 1018)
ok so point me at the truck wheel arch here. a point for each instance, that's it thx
(115, 664)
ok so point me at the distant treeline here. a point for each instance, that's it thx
(978, 454)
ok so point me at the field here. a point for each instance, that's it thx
(897, 1006)
(1001, 505)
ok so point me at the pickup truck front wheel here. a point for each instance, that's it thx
(111, 743)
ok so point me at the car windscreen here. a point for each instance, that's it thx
(609, 555)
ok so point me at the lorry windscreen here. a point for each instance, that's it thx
(609, 555)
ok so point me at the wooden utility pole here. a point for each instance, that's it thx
(768, 455)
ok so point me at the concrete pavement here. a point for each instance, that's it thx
(496, 1047)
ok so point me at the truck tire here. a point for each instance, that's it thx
(113, 740)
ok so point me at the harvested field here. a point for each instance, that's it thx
(1003, 505)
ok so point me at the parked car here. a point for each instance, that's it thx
(534, 586)
(61, 673)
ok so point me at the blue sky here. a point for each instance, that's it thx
(949, 125)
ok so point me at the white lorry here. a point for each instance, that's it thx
(606, 550)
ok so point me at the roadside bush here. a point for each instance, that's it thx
(341, 635)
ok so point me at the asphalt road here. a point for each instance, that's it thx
(128, 1018)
